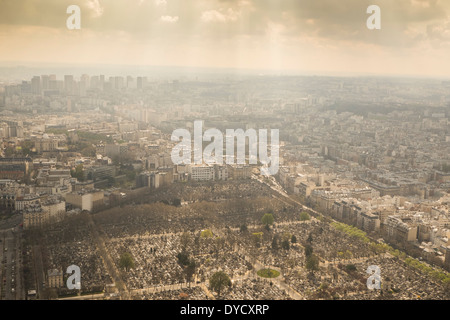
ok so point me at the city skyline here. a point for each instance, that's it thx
(325, 37)
(222, 151)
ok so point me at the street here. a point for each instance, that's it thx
(10, 270)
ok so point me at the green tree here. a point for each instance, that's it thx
(190, 270)
(206, 233)
(257, 238)
(78, 172)
(304, 216)
(312, 263)
(267, 219)
(183, 258)
(88, 151)
(308, 250)
(130, 174)
(185, 240)
(350, 267)
(219, 281)
(126, 261)
(348, 254)
(26, 147)
(293, 239)
(275, 242)
(9, 151)
(285, 244)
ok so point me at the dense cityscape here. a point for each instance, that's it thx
(87, 180)
(224, 158)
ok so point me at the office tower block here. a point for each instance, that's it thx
(36, 85)
(69, 84)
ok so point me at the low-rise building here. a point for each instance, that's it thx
(398, 230)
(89, 199)
(33, 216)
(202, 172)
(23, 201)
(237, 171)
(55, 278)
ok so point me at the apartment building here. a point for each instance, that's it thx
(86, 199)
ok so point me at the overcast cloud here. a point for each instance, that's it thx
(303, 35)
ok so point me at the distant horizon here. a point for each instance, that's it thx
(166, 70)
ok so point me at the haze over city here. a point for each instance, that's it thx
(323, 37)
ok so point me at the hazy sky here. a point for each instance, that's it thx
(304, 35)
